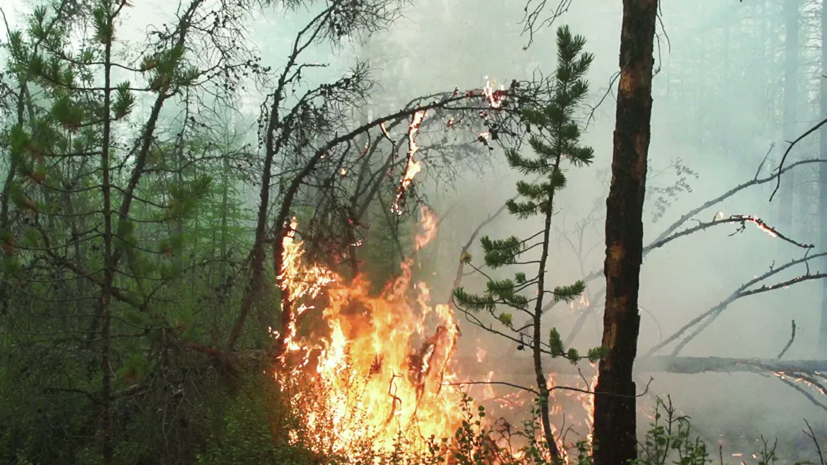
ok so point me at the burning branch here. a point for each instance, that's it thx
(412, 167)
(803, 392)
(741, 219)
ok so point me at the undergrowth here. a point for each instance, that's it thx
(261, 426)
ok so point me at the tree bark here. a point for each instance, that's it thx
(615, 422)
(536, 342)
(787, 192)
(108, 265)
(822, 180)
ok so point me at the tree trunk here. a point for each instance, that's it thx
(822, 180)
(539, 373)
(787, 192)
(108, 265)
(615, 422)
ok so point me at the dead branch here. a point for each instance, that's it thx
(464, 251)
(531, 22)
(790, 147)
(521, 365)
(493, 383)
(668, 232)
(787, 347)
(742, 291)
(812, 435)
(742, 219)
(706, 205)
(803, 392)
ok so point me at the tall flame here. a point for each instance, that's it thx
(383, 362)
(374, 369)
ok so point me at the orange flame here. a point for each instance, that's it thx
(429, 223)
(383, 362)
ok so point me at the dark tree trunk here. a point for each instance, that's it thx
(822, 179)
(615, 422)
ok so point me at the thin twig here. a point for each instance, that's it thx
(786, 347)
(787, 152)
(812, 436)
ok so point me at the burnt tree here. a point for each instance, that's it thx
(614, 425)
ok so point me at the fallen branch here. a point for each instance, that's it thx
(803, 392)
(521, 365)
(742, 291)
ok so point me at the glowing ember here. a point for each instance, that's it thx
(412, 167)
(495, 97)
(762, 226)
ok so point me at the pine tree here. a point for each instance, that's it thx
(556, 139)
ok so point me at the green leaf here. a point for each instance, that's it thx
(596, 353)
(506, 319)
(555, 342)
(124, 100)
(569, 293)
(474, 303)
(501, 252)
(103, 24)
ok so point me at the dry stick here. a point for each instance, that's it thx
(738, 293)
(581, 319)
(742, 219)
(786, 347)
(812, 436)
(765, 288)
(666, 235)
(803, 392)
(474, 235)
(468, 244)
(787, 152)
(553, 388)
(493, 383)
(755, 181)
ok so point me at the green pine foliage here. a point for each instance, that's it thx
(555, 142)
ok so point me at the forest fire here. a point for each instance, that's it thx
(383, 365)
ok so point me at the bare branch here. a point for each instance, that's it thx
(790, 343)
